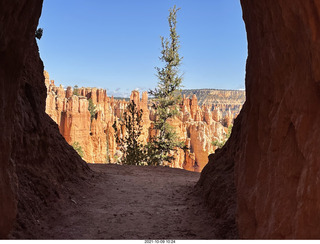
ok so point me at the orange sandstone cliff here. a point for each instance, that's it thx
(224, 99)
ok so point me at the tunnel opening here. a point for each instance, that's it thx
(266, 173)
(213, 69)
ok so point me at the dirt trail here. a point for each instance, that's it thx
(130, 202)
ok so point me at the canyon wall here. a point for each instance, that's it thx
(11, 67)
(34, 158)
(196, 126)
(225, 100)
(216, 96)
(273, 148)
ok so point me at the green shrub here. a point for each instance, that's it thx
(76, 146)
(220, 144)
(92, 109)
(39, 33)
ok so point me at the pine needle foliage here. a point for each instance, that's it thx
(169, 78)
(76, 146)
(92, 109)
(162, 147)
(76, 90)
(132, 149)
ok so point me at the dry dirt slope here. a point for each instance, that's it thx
(130, 202)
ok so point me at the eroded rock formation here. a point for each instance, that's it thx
(196, 126)
(225, 100)
(274, 146)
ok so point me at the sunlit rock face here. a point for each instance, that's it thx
(224, 99)
(274, 144)
(94, 135)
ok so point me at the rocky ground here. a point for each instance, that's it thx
(128, 202)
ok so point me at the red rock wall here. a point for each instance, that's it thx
(277, 171)
(275, 150)
(15, 39)
(34, 158)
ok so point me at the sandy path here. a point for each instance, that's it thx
(130, 202)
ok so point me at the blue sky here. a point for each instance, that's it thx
(115, 44)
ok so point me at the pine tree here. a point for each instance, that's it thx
(92, 109)
(132, 149)
(76, 90)
(162, 146)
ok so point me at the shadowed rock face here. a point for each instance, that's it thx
(276, 148)
(217, 185)
(14, 40)
(277, 169)
(34, 158)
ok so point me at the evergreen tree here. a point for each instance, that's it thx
(92, 109)
(132, 149)
(76, 146)
(76, 90)
(166, 98)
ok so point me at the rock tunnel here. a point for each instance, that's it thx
(268, 172)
